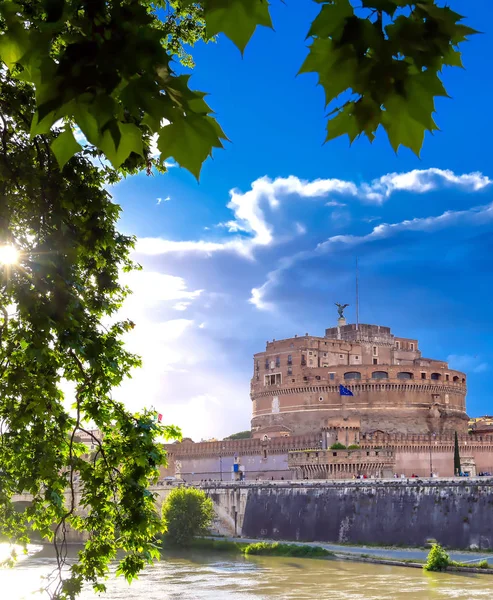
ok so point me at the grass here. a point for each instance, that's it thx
(277, 549)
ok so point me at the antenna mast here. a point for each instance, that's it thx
(357, 296)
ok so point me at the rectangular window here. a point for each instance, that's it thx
(303, 360)
(290, 359)
(266, 363)
(310, 353)
(375, 361)
(332, 375)
(290, 370)
(278, 361)
(273, 379)
(423, 375)
(398, 345)
(375, 351)
(257, 366)
(412, 346)
(447, 377)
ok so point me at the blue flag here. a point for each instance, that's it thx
(343, 391)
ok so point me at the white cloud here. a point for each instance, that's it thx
(249, 207)
(420, 182)
(475, 215)
(161, 200)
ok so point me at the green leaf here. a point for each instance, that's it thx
(343, 123)
(401, 127)
(237, 19)
(12, 48)
(330, 18)
(190, 141)
(65, 146)
(118, 146)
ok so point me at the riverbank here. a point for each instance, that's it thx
(463, 561)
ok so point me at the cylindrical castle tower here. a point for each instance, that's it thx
(295, 387)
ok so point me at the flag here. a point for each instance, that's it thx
(343, 391)
(160, 417)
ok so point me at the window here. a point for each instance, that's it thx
(274, 379)
(352, 375)
(257, 365)
(447, 376)
(303, 360)
(412, 346)
(310, 353)
(436, 376)
(332, 375)
(266, 363)
(356, 358)
(325, 353)
(455, 379)
(398, 345)
(293, 380)
(321, 399)
(404, 375)
(375, 361)
(423, 375)
(375, 351)
(310, 362)
(290, 359)
(290, 370)
(334, 453)
(341, 355)
(463, 380)
(379, 375)
(265, 453)
(278, 361)
(317, 377)
(305, 378)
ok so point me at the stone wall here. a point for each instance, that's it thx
(455, 512)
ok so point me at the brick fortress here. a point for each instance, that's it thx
(398, 414)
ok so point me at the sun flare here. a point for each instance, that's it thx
(9, 255)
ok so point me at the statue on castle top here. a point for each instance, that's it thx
(340, 309)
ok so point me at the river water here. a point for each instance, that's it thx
(216, 576)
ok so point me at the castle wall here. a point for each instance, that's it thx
(393, 512)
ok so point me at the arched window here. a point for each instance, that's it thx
(456, 379)
(379, 375)
(463, 380)
(404, 375)
(352, 375)
(436, 376)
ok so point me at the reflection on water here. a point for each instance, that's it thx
(208, 576)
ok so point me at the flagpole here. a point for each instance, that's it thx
(357, 296)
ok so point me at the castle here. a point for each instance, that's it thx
(358, 401)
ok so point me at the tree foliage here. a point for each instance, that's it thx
(106, 66)
(187, 513)
(241, 435)
(58, 323)
(437, 560)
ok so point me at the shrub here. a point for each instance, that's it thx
(353, 447)
(338, 446)
(187, 512)
(276, 549)
(438, 559)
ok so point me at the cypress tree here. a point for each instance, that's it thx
(456, 456)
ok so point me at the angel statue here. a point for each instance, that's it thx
(340, 309)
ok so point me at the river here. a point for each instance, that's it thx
(216, 576)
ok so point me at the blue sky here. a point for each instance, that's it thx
(265, 244)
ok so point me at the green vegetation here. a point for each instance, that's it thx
(482, 564)
(353, 447)
(187, 513)
(378, 64)
(338, 446)
(278, 549)
(438, 559)
(241, 435)
(457, 467)
(217, 545)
